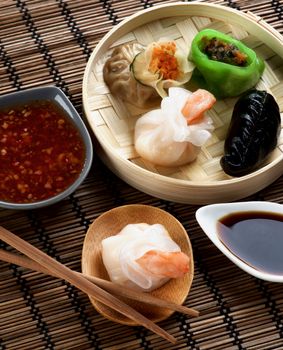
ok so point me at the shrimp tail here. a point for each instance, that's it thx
(164, 264)
(196, 105)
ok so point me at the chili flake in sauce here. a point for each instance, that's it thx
(41, 152)
(219, 50)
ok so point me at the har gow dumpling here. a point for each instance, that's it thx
(173, 134)
(143, 257)
(121, 82)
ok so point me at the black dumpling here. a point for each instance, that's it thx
(252, 134)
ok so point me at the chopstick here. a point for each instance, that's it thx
(107, 285)
(80, 282)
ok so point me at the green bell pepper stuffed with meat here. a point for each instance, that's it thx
(227, 66)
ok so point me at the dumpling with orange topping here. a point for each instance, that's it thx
(162, 65)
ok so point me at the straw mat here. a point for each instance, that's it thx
(48, 43)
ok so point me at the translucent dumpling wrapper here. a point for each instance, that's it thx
(143, 257)
(162, 65)
(172, 135)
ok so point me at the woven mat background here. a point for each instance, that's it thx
(45, 42)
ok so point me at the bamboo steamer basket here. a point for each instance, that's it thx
(112, 121)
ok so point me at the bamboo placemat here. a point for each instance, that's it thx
(49, 42)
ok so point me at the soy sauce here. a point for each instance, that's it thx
(256, 238)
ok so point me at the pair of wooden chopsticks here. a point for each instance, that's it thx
(37, 260)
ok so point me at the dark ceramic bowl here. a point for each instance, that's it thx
(56, 96)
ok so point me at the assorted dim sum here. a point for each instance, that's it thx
(173, 134)
(252, 134)
(227, 66)
(143, 257)
(121, 82)
(162, 65)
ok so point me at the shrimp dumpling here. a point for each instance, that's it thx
(172, 135)
(143, 257)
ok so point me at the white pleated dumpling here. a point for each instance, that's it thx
(121, 254)
(165, 136)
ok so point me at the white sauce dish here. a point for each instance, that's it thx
(250, 234)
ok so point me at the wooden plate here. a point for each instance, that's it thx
(111, 223)
(112, 121)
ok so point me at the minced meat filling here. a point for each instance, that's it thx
(218, 50)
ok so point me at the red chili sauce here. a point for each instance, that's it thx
(41, 152)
